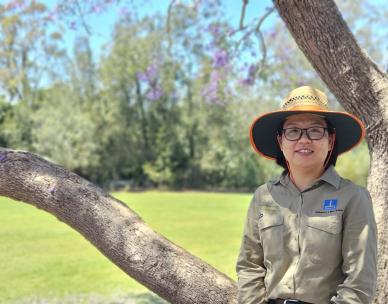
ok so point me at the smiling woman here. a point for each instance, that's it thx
(310, 235)
(306, 143)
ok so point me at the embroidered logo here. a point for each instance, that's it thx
(330, 204)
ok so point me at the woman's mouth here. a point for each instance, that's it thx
(304, 151)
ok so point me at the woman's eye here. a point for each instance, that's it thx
(293, 131)
(316, 130)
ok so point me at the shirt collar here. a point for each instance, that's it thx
(283, 179)
(329, 176)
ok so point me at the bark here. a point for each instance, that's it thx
(362, 88)
(114, 229)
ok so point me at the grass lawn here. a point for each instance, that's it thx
(42, 257)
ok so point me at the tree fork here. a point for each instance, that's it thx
(118, 232)
(361, 87)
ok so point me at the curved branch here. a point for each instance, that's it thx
(82, 16)
(258, 67)
(118, 232)
(260, 37)
(242, 17)
(255, 29)
(168, 25)
(326, 40)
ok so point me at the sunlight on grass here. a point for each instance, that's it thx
(43, 257)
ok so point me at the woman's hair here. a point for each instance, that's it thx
(281, 161)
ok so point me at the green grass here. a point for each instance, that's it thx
(42, 257)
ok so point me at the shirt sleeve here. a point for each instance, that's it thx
(359, 252)
(250, 268)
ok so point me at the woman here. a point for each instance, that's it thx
(310, 235)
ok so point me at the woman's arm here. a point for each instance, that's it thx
(359, 252)
(250, 269)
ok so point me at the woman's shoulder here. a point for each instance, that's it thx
(263, 188)
(349, 185)
(262, 194)
(355, 195)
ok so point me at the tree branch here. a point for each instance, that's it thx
(168, 25)
(324, 37)
(82, 16)
(242, 17)
(118, 232)
(260, 37)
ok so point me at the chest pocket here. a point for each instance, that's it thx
(271, 226)
(329, 224)
(323, 239)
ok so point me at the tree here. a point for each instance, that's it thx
(360, 86)
(29, 49)
(322, 34)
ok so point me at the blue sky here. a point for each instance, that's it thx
(102, 24)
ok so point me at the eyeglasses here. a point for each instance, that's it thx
(313, 133)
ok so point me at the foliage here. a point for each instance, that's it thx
(65, 131)
(167, 104)
(354, 165)
(5, 109)
(28, 49)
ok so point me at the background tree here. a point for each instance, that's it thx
(28, 48)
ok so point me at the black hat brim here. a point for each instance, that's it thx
(349, 130)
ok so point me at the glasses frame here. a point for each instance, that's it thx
(305, 130)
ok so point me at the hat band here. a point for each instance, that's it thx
(307, 107)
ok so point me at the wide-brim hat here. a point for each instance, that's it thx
(349, 130)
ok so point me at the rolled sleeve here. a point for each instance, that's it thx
(250, 269)
(359, 252)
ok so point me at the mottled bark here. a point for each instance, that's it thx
(114, 229)
(362, 88)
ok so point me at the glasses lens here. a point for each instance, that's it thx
(315, 133)
(292, 133)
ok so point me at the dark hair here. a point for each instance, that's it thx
(281, 161)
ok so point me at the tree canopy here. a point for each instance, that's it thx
(170, 99)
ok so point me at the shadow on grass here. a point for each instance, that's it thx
(143, 298)
(149, 298)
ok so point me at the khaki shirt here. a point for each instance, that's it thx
(317, 246)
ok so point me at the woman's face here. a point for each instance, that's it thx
(305, 153)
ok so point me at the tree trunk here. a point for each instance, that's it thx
(143, 119)
(362, 88)
(114, 229)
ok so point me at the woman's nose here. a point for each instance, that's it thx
(304, 137)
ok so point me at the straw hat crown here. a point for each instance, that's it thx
(303, 97)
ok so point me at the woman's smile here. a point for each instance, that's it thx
(304, 151)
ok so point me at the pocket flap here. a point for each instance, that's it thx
(269, 220)
(330, 224)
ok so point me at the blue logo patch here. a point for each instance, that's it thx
(330, 204)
